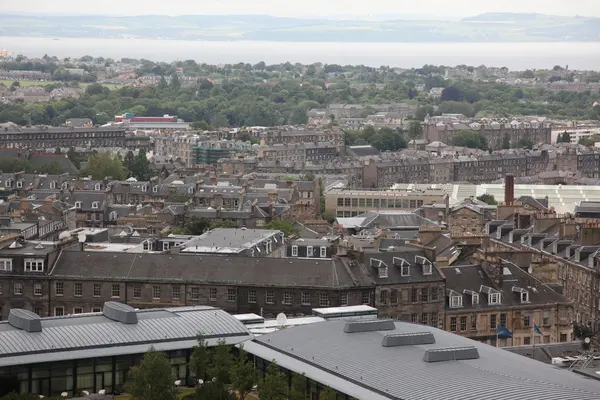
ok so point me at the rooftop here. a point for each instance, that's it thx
(230, 240)
(398, 360)
(120, 329)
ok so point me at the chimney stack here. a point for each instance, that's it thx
(509, 189)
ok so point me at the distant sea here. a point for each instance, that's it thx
(518, 56)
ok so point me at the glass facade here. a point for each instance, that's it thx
(90, 374)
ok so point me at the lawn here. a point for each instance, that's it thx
(8, 82)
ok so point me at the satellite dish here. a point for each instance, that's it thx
(281, 319)
(82, 237)
(587, 340)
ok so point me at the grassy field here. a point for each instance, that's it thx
(44, 83)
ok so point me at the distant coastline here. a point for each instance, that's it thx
(518, 56)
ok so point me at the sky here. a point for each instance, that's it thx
(303, 8)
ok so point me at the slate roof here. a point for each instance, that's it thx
(358, 365)
(39, 160)
(78, 336)
(394, 273)
(207, 269)
(472, 277)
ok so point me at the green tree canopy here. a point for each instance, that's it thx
(470, 139)
(272, 386)
(102, 165)
(242, 374)
(488, 198)
(221, 362)
(151, 380)
(280, 225)
(200, 358)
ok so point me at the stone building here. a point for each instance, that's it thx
(52, 137)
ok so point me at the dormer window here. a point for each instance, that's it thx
(309, 251)
(403, 264)
(112, 216)
(456, 301)
(8, 183)
(154, 189)
(95, 205)
(65, 185)
(294, 251)
(97, 186)
(525, 297)
(323, 251)
(475, 299)
(494, 298)
(78, 205)
(191, 190)
(53, 185)
(19, 183)
(144, 188)
(146, 245)
(382, 267)
(425, 264)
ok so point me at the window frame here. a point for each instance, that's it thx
(137, 292)
(77, 289)
(456, 301)
(156, 292)
(33, 265)
(343, 299)
(176, 292)
(38, 289)
(99, 291)
(323, 252)
(231, 295)
(6, 264)
(324, 299)
(270, 297)
(294, 251)
(115, 288)
(57, 291)
(195, 292)
(303, 299)
(212, 294)
(287, 298)
(252, 296)
(18, 285)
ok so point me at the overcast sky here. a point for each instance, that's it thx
(330, 8)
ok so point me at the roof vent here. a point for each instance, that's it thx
(407, 339)
(120, 312)
(451, 354)
(369, 326)
(25, 320)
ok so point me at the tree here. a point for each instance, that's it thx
(451, 93)
(23, 396)
(219, 121)
(75, 159)
(200, 358)
(213, 391)
(525, 143)
(281, 225)
(488, 199)
(102, 165)
(564, 137)
(242, 374)
(141, 167)
(506, 141)
(151, 380)
(272, 386)
(422, 112)
(328, 394)
(415, 130)
(221, 362)
(328, 216)
(129, 161)
(528, 74)
(57, 151)
(470, 139)
(223, 224)
(195, 226)
(298, 389)
(200, 125)
(175, 83)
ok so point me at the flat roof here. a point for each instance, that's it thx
(344, 310)
(95, 334)
(363, 364)
(228, 240)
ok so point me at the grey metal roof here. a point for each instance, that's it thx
(357, 364)
(79, 336)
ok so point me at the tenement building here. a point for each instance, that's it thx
(51, 137)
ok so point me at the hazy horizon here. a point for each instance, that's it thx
(346, 9)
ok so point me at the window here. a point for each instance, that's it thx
(176, 292)
(493, 324)
(309, 251)
(305, 298)
(473, 322)
(251, 295)
(427, 269)
(115, 290)
(37, 289)
(526, 320)
(78, 205)
(394, 296)
(456, 301)
(435, 293)
(137, 291)
(95, 204)
(146, 245)
(59, 311)
(270, 297)
(424, 319)
(231, 295)
(144, 188)
(414, 318)
(156, 292)
(8, 183)
(97, 289)
(34, 265)
(434, 321)
(154, 189)
(524, 297)
(405, 269)
(59, 288)
(503, 320)
(494, 298)
(413, 295)
(5, 264)
(53, 185)
(18, 289)
(474, 299)
(287, 297)
(424, 294)
(96, 309)
(546, 319)
(97, 186)
(453, 324)
(463, 323)
(195, 293)
(366, 297)
(294, 251)
(78, 289)
(212, 294)
(343, 299)
(323, 252)
(19, 183)
(77, 310)
(527, 340)
(383, 297)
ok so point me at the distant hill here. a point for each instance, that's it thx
(491, 27)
